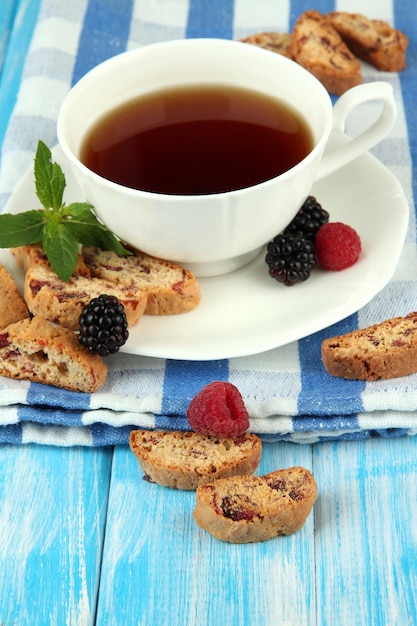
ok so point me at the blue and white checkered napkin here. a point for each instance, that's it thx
(287, 391)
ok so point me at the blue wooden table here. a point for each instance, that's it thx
(84, 540)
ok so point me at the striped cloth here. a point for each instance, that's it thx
(288, 394)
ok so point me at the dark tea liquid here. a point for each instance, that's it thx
(197, 140)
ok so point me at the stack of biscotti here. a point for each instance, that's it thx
(37, 341)
(142, 283)
(62, 303)
(331, 46)
(37, 350)
(231, 503)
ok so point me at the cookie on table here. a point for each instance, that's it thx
(381, 351)
(275, 42)
(373, 41)
(244, 509)
(317, 46)
(185, 460)
(36, 350)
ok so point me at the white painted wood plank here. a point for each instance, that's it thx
(52, 512)
(160, 568)
(366, 532)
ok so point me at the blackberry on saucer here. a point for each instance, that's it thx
(290, 258)
(103, 325)
(308, 220)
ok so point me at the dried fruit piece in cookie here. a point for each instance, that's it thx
(338, 246)
(218, 410)
(244, 509)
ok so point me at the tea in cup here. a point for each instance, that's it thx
(201, 150)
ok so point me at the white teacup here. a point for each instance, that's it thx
(218, 232)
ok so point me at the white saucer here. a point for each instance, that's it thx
(246, 311)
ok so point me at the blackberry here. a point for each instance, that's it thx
(290, 258)
(308, 220)
(103, 325)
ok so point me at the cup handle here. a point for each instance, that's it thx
(347, 102)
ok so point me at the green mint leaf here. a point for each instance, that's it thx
(58, 227)
(49, 178)
(107, 241)
(21, 229)
(61, 248)
(88, 230)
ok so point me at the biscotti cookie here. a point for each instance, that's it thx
(382, 351)
(12, 306)
(34, 254)
(318, 47)
(373, 41)
(170, 288)
(35, 350)
(185, 460)
(244, 509)
(275, 42)
(29, 255)
(59, 302)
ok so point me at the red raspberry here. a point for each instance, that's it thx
(218, 410)
(338, 246)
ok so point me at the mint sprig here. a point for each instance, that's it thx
(60, 228)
